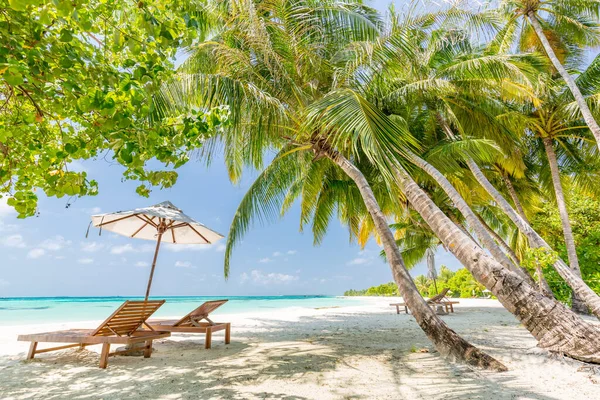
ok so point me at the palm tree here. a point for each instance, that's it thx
(441, 79)
(562, 27)
(273, 67)
(555, 331)
(557, 131)
(446, 76)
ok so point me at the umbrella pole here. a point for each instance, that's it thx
(153, 265)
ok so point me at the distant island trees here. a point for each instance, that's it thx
(461, 284)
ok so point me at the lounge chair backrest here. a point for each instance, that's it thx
(201, 312)
(439, 296)
(128, 318)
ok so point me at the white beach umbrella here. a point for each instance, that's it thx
(162, 222)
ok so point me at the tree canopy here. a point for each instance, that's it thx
(77, 81)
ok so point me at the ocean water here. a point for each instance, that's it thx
(37, 310)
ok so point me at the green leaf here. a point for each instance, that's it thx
(18, 5)
(13, 77)
(65, 36)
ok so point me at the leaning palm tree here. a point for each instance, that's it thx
(448, 76)
(273, 67)
(558, 141)
(562, 28)
(442, 79)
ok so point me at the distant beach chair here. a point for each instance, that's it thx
(439, 299)
(122, 327)
(192, 323)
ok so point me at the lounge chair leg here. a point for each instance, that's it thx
(397, 310)
(227, 333)
(148, 349)
(406, 309)
(104, 355)
(208, 339)
(31, 352)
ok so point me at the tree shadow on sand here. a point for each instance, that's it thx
(315, 357)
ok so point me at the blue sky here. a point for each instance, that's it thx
(49, 255)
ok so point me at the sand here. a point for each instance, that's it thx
(365, 352)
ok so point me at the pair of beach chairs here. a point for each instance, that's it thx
(439, 299)
(129, 325)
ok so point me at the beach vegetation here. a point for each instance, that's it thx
(403, 128)
(461, 284)
(77, 81)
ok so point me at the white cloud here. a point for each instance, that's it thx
(220, 248)
(36, 253)
(76, 166)
(85, 260)
(277, 254)
(265, 260)
(177, 248)
(4, 283)
(292, 252)
(13, 241)
(183, 264)
(142, 264)
(7, 227)
(126, 248)
(94, 210)
(55, 243)
(271, 278)
(129, 248)
(5, 209)
(91, 247)
(359, 261)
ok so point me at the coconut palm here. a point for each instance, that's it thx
(565, 144)
(447, 80)
(274, 67)
(562, 27)
(442, 79)
(270, 66)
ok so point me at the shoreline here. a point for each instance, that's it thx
(366, 352)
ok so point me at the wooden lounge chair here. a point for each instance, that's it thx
(192, 323)
(439, 299)
(122, 327)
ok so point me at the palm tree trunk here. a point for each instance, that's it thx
(576, 303)
(554, 326)
(514, 197)
(486, 239)
(542, 284)
(583, 107)
(501, 242)
(591, 299)
(446, 341)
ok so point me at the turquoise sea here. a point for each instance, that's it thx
(37, 310)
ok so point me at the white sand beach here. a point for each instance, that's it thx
(365, 352)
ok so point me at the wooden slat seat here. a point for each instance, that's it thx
(192, 323)
(439, 299)
(122, 327)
